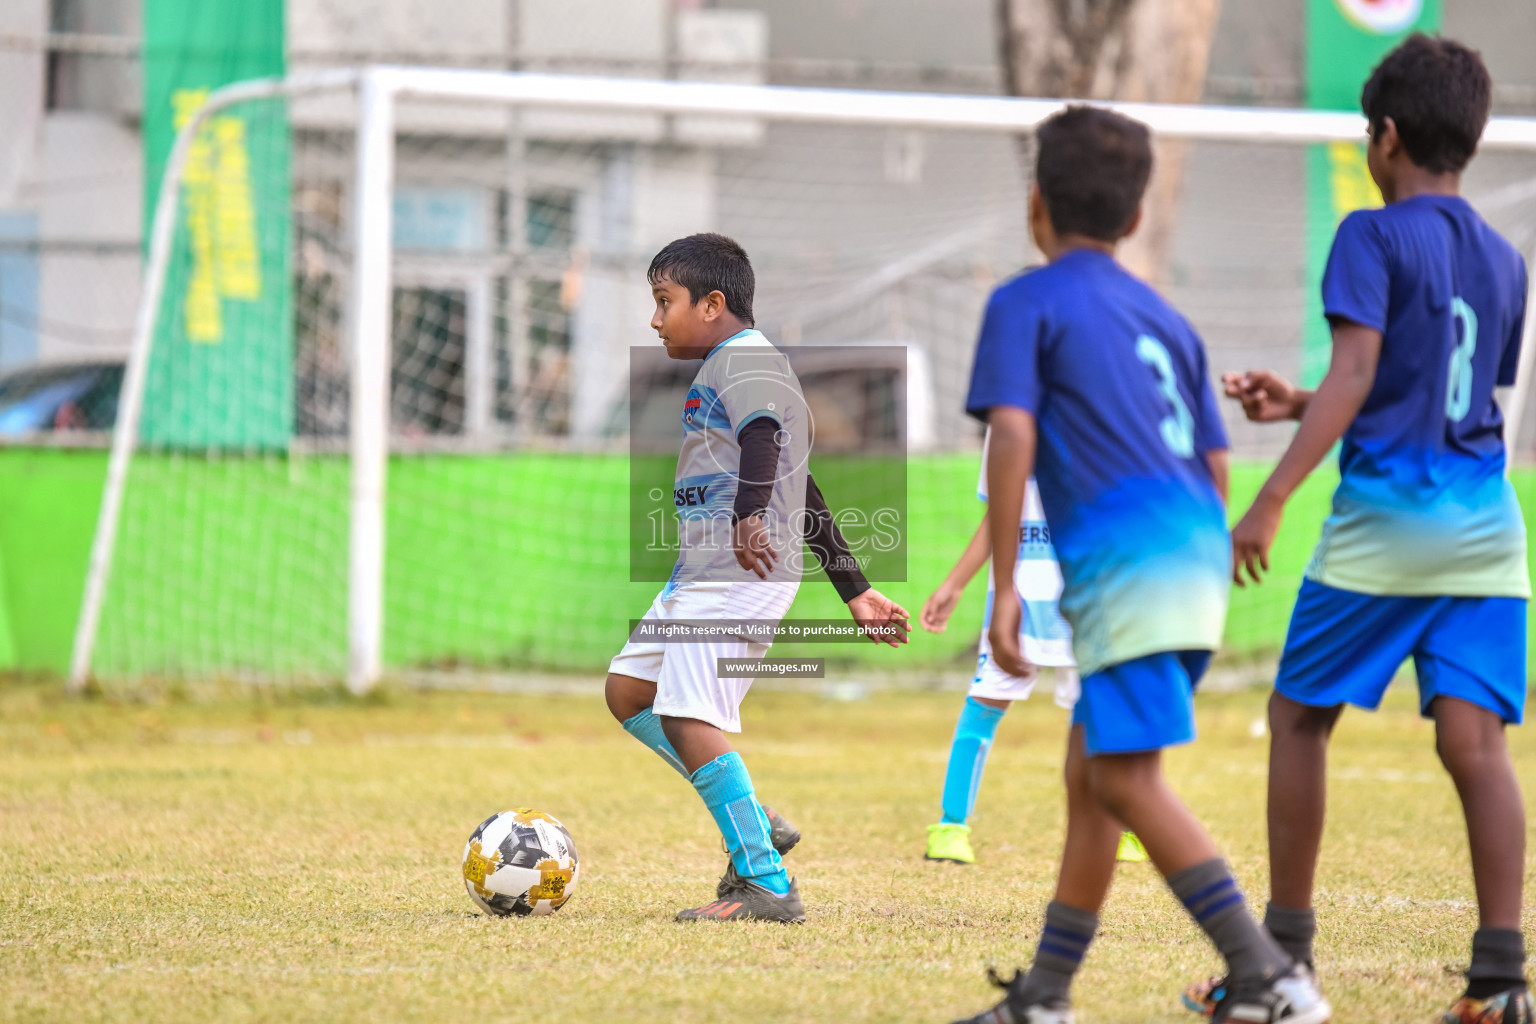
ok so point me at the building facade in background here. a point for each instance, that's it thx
(521, 239)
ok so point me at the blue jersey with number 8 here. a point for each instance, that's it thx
(1118, 383)
(1423, 506)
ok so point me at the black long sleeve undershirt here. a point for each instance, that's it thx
(760, 446)
(826, 542)
(754, 490)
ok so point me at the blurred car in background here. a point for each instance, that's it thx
(49, 397)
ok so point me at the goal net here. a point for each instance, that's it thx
(393, 362)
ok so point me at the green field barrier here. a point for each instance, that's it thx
(495, 561)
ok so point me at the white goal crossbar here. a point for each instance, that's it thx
(380, 88)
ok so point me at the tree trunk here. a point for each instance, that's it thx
(1152, 51)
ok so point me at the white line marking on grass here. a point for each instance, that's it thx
(305, 738)
(456, 741)
(1353, 773)
(1365, 899)
(457, 967)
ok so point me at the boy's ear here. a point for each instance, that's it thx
(1135, 222)
(1387, 138)
(714, 305)
(1040, 229)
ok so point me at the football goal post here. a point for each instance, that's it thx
(376, 417)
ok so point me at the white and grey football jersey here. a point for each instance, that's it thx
(743, 379)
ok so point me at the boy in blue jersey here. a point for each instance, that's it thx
(1424, 552)
(1086, 377)
(745, 503)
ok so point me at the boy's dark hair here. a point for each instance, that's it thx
(707, 263)
(1092, 167)
(1438, 93)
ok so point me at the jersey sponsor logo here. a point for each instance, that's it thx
(1034, 533)
(1383, 17)
(690, 497)
(691, 406)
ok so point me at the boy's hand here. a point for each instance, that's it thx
(1266, 396)
(939, 607)
(885, 621)
(1253, 536)
(753, 550)
(1004, 634)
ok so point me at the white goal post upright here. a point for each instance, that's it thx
(369, 332)
(368, 316)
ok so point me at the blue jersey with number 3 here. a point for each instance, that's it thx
(1423, 506)
(1118, 384)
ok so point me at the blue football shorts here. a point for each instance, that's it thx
(1141, 705)
(1344, 647)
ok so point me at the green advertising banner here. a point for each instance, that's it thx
(1345, 40)
(221, 374)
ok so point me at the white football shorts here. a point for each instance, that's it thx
(993, 683)
(687, 683)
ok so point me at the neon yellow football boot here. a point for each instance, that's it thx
(1131, 851)
(951, 843)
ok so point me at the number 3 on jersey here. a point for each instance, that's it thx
(1458, 387)
(1178, 429)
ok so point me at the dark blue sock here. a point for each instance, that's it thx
(1210, 894)
(1063, 942)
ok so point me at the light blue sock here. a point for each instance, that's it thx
(727, 791)
(967, 757)
(646, 728)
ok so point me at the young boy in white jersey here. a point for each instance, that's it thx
(1046, 641)
(745, 503)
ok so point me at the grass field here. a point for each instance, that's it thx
(244, 856)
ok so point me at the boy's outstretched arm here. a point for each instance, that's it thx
(1010, 460)
(938, 608)
(885, 621)
(1325, 415)
(1220, 461)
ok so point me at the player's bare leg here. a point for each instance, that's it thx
(1298, 794)
(1471, 744)
(1087, 869)
(1093, 833)
(1298, 791)
(697, 743)
(628, 696)
(1263, 981)
(1132, 789)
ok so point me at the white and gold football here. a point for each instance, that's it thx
(520, 863)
